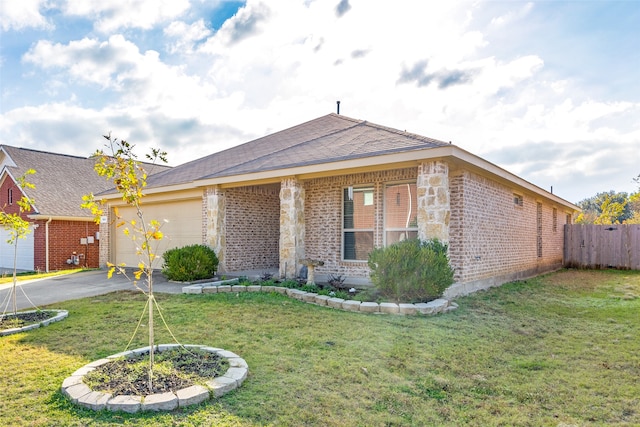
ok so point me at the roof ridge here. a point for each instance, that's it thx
(355, 121)
(44, 152)
(405, 133)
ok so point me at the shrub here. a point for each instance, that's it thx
(411, 270)
(194, 262)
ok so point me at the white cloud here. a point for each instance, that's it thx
(118, 65)
(503, 20)
(21, 14)
(112, 15)
(185, 36)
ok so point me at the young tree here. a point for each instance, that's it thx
(18, 227)
(130, 178)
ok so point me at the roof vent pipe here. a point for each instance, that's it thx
(338, 103)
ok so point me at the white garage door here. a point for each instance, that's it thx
(184, 227)
(24, 255)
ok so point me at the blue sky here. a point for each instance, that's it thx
(545, 89)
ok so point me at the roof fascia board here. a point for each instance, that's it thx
(149, 191)
(61, 218)
(161, 196)
(7, 160)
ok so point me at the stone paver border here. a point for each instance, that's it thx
(437, 306)
(74, 388)
(60, 314)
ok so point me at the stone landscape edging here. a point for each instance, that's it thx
(74, 388)
(436, 306)
(61, 314)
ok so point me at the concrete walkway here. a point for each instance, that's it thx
(84, 284)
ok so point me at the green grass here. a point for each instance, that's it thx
(561, 349)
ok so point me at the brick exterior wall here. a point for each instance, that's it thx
(493, 239)
(64, 239)
(252, 228)
(323, 218)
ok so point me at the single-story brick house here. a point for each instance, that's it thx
(63, 235)
(334, 188)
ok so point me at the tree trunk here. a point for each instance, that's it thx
(15, 279)
(151, 337)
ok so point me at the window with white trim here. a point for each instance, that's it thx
(358, 223)
(400, 213)
(10, 196)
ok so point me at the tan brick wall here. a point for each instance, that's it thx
(252, 228)
(491, 236)
(323, 218)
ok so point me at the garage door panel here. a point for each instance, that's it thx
(181, 226)
(24, 255)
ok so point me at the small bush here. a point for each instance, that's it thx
(194, 262)
(411, 270)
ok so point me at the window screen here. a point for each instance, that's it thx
(400, 213)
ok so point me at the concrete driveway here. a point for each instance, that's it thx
(51, 290)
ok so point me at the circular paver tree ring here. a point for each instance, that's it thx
(56, 316)
(74, 388)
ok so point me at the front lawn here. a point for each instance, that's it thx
(562, 349)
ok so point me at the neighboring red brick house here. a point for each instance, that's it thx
(334, 188)
(63, 235)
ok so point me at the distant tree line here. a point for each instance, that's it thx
(611, 208)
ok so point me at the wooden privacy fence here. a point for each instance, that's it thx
(602, 246)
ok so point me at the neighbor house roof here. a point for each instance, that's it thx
(60, 180)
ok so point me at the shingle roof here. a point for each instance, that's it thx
(60, 180)
(327, 139)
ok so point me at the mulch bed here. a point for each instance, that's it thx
(8, 320)
(173, 370)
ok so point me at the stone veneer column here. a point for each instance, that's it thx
(291, 226)
(434, 208)
(105, 241)
(216, 231)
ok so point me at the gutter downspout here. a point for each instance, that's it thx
(46, 243)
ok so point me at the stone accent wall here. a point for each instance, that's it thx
(292, 226)
(323, 216)
(493, 239)
(252, 223)
(215, 208)
(434, 211)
